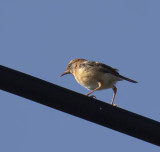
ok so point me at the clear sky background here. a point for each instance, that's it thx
(40, 37)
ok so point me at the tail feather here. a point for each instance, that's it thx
(127, 79)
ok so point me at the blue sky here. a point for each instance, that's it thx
(40, 37)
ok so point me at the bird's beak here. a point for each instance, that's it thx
(66, 72)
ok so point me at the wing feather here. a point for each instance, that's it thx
(91, 65)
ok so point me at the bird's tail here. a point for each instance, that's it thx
(130, 80)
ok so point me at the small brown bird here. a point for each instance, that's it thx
(94, 75)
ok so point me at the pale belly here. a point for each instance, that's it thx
(91, 81)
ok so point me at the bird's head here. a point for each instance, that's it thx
(71, 67)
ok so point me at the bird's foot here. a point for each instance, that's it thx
(114, 105)
(92, 96)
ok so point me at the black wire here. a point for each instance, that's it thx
(79, 105)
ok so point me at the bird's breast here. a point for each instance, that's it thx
(86, 79)
(87, 82)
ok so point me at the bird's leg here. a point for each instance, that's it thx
(115, 91)
(99, 86)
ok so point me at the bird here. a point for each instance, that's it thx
(95, 75)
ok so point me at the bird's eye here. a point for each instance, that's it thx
(69, 65)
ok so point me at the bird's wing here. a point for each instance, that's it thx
(91, 65)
